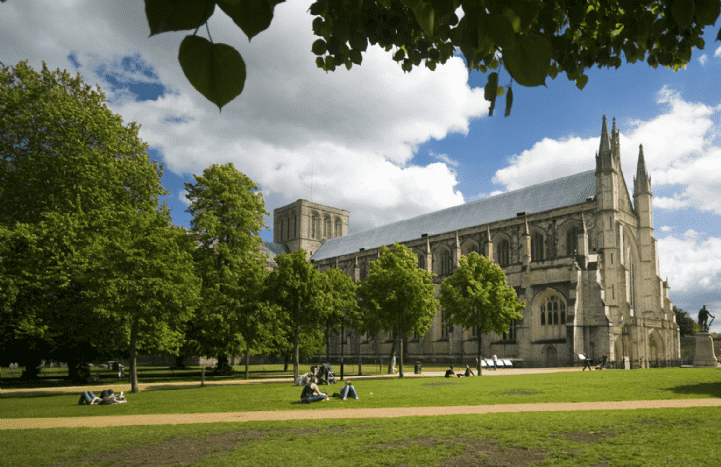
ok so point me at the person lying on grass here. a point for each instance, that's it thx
(108, 397)
(311, 393)
(450, 373)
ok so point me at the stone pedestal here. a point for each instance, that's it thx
(705, 356)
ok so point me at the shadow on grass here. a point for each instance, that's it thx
(701, 389)
(38, 393)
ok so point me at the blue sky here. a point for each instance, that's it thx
(388, 145)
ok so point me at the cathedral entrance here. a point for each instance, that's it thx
(655, 351)
(551, 357)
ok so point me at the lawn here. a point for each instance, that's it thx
(634, 437)
(652, 384)
(610, 438)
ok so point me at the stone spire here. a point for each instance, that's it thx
(489, 244)
(604, 158)
(615, 144)
(642, 182)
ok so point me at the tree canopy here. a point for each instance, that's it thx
(397, 295)
(82, 233)
(227, 214)
(532, 39)
(296, 287)
(687, 325)
(478, 297)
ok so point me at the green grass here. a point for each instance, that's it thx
(620, 438)
(653, 384)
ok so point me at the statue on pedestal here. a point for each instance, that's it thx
(703, 315)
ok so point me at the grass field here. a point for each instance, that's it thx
(635, 437)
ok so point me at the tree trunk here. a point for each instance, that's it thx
(247, 364)
(390, 360)
(400, 342)
(285, 362)
(296, 350)
(478, 357)
(133, 357)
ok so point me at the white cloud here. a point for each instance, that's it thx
(356, 130)
(717, 53)
(693, 266)
(445, 159)
(679, 145)
(666, 228)
(702, 59)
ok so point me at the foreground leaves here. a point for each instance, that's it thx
(217, 71)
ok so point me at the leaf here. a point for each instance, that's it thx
(682, 12)
(529, 60)
(490, 92)
(319, 47)
(217, 71)
(707, 12)
(426, 17)
(500, 30)
(581, 81)
(252, 16)
(509, 101)
(177, 15)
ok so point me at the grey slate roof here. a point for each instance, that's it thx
(561, 192)
(273, 249)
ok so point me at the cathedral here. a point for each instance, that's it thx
(578, 250)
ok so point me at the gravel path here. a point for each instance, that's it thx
(175, 419)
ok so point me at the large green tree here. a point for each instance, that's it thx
(398, 296)
(477, 296)
(298, 290)
(227, 211)
(533, 39)
(687, 325)
(340, 302)
(73, 180)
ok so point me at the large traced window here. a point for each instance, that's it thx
(326, 227)
(444, 325)
(338, 227)
(421, 261)
(553, 311)
(511, 334)
(536, 247)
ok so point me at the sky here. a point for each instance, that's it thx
(388, 145)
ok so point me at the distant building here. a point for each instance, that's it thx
(578, 250)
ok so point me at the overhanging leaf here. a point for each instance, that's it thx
(252, 16)
(177, 15)
(528, 61)
(490, 92)
(217, 71)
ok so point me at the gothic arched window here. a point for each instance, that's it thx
(421, 261)
(537, 247)
(556, 309)
(315, 226)
(338, 228)
(446, 263)
(326, 227)
(503, 253)
(572, 241)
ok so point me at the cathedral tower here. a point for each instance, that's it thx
(307, 225)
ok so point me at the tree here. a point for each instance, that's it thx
(397, 296)
(340, 302)
(297, 288)
(146, 279)
(533, 39)
(227, 214)
(687, 325)
(73, 180)
(478, 296)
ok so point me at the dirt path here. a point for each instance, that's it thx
(175, 419)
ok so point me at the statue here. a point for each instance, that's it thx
(703, 315)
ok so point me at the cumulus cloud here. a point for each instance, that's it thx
(702, 59)
(680, 148)
(692, 264)
(352, 134)
(666, 228)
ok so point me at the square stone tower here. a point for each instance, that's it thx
(307, 225)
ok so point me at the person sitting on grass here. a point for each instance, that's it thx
(450, 373)
(348, 390)
(311, 393)
(469, 372)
